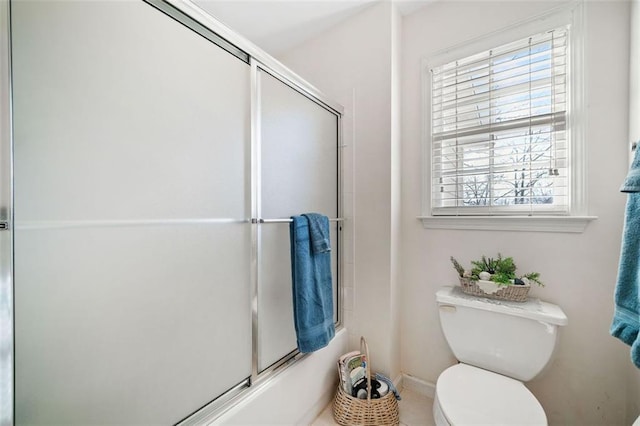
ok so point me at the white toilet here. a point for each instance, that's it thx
(499, 345)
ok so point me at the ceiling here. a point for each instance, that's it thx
(278, 25)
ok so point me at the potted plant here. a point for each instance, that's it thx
(495, 278)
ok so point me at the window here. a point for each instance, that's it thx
(498, 129)
(501, 144)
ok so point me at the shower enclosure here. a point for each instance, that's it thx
(155, 163)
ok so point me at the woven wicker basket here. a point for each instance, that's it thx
(350, 411)
(515, 293)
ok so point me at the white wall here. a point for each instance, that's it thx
(352, 63)
(586, 382)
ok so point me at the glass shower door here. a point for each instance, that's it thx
(132, 241)
(299, 164)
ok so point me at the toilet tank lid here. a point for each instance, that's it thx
(533, 308)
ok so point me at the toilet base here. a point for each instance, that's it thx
(438, 415)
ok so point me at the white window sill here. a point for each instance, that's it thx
(568, 224)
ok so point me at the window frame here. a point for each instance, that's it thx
(576, 218)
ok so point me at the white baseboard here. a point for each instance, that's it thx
(418, 385)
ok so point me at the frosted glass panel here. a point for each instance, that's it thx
(128, 326)
(299, 175)
(132, 274)
(276, 330)
(150, 114)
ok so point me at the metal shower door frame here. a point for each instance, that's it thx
(6, 218)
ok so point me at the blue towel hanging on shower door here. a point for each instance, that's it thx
(626, 319)
(312, 284)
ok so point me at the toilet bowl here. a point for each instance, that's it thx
(499, 345)
(467, 395)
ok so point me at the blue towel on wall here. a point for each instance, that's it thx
(311, 277)
(626, 319)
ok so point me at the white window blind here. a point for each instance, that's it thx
(499, 130)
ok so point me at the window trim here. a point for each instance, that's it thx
(577, 219)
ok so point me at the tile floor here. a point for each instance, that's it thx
(415, 410)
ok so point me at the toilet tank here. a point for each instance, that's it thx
(516, 339)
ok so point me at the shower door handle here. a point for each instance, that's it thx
(4, 225)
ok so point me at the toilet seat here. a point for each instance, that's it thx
(467, 395)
